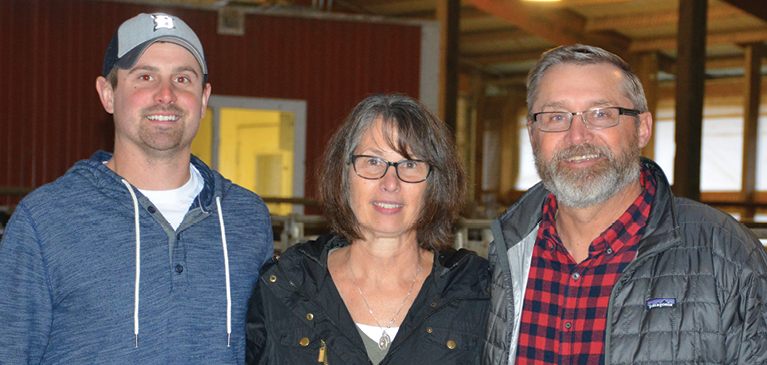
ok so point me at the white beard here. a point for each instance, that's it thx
(580, 188)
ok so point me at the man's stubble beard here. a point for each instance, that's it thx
(580, 188)
(163, 139)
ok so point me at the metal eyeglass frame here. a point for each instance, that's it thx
(621, 111)
(396, 168)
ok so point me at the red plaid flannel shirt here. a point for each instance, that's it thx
(565, 310)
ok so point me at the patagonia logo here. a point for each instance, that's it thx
(661, 303)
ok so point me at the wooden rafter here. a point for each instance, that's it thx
(654, 19)
(755, 8)
(555, 25)
(734, 37)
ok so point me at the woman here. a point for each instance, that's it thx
(387, 287)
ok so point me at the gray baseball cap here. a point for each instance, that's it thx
(136, 34)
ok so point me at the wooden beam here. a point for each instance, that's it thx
(493, 36)
(730, 88)
(752, 90)
(557, 26)
(505, 57)
(755, 8)
(735, 37)
(574, 3)
(720, 87)
(510, 145)
(666, 63)
(647, 71)
(689, 104)
(483, 104)
(386, 3)
(448, 13)
(468, 13)
(655, 19)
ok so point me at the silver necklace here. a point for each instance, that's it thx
(385, 340)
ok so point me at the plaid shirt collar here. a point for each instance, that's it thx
(635, 216)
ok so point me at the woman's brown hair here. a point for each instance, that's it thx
(420, 134)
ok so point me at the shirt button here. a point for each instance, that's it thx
(568, 325)
(551, 247)
(609, 251)
(151, 209)
(179, 268)
(576, 276)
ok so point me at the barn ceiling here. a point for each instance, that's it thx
(501, 39)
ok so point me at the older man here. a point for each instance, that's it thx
(144, 256)
(600, 263)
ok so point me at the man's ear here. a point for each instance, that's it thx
(645, 129)
(205, 96)
(106, 94)
(530, 130)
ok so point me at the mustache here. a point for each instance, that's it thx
(581, 150)
(172, 108)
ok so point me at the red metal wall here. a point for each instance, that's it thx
(51, 53)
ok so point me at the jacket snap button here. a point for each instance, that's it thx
(179, 268)
(310, 316)
(433, 304)
(151, 209)
(304, 342)
(272, 278)
(429, 330)
(451, 344)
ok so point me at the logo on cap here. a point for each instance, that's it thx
(162, 22)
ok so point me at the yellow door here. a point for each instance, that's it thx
(256, 152)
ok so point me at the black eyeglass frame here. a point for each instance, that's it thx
(396, 168)
(621, 111)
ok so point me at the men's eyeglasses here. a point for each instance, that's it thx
(597, 118)
(373, 168)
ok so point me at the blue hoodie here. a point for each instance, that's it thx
(69, 271)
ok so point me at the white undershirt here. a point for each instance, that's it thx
(375, 332)
(174, 203)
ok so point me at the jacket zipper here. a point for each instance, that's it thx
(323, 353)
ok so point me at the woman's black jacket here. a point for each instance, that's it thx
(296, 315)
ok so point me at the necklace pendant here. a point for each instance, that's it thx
(384, 341)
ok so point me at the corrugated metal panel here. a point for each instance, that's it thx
(50, 115)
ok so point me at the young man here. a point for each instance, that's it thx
(144, 256)
(600, 263)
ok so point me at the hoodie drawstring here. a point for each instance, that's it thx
(138, 267)
(138, 259)
(226, 270)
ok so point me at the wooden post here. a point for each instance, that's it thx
(689, 97)
(752, 97)
(448, 14)
(647, 71)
